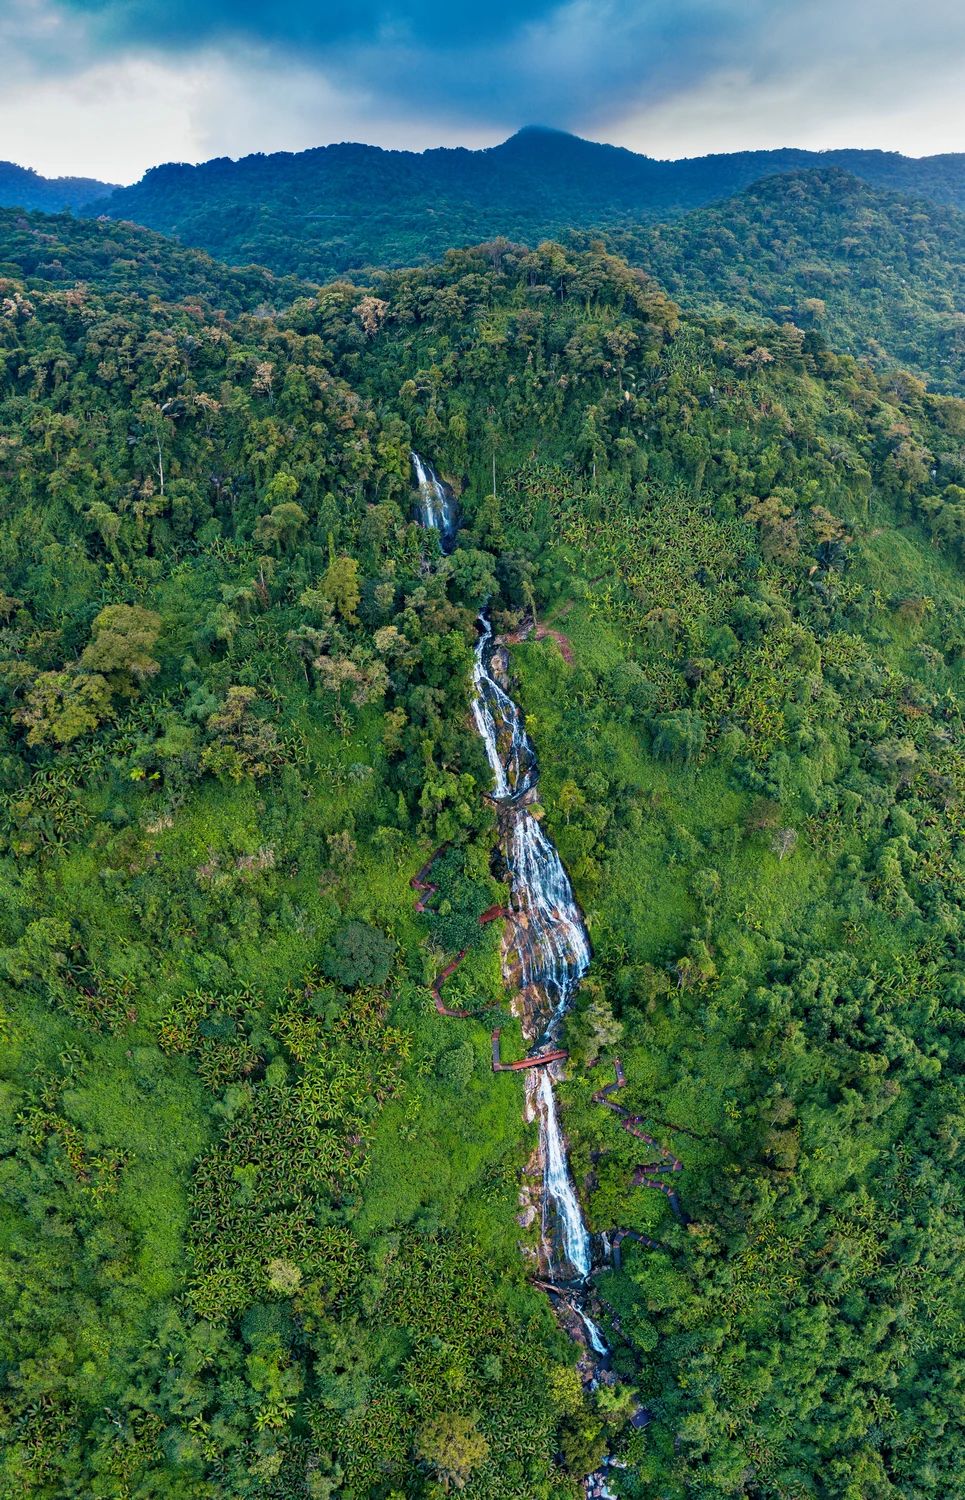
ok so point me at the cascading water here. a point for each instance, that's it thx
(437, 503)
(552, 949)
(551, 945)
(508, 751)
(559, 1196)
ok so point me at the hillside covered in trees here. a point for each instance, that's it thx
(819, 239)
(21, 187)
(259, 1231)
(51, 251)
(339, 208)
(881, 275)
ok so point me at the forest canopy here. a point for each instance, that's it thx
(259, 1224)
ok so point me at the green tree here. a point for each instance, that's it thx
(281, 526)
(452, 1447)
(63, 705)
(123, 638)
(341, 587)
(679, 737)
(359, 954)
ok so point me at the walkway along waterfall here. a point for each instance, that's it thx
(546, 956)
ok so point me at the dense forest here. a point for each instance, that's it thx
(259, 1216)
(21, 187)
(340, 208)
(47, 251)
(881, 275)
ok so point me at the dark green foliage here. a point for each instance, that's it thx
(259, 1229)
(51, 250)
(22, 187)
(465, 891)
(358, 954)
(679, 736)
(872, 273)
(324, 212)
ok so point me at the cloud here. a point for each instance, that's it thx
(113, 119)
(114, 85)
(320, 28)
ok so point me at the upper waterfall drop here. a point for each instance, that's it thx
(508, 750)
(437, 504)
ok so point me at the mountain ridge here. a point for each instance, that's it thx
(880, 274)
(22, 187)
(406, 207)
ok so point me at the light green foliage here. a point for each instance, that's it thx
(60, 706)
(122, 639)
(340, 586)
(452, 1447)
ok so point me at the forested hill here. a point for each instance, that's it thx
(322, 212)
(261, 1227)
(881, 275)
(51, 251)
(21, 187)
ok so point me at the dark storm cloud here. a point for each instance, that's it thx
(579, 64)
(191, 78)
(502, 62)
(293, 24)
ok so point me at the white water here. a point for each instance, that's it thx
(596, 1337)
(498, 720)
(559, 1194)
(552, 944)
(550, 939)
(437, 504)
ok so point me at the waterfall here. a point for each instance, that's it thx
(553, 948)
(550, 939)
(559, 1196)
(437, 504)
(498, 720)
(596, 1337)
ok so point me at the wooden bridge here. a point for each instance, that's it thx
(537, 1060)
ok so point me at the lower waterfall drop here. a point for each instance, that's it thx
(559, 1192)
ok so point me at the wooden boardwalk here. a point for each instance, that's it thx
(646, 1174)
(425, 890)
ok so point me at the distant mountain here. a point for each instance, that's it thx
(881, 275)
(21, 187)
(337, 209)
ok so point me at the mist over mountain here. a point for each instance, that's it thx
(339, 208)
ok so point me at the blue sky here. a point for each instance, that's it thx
(110, 87)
